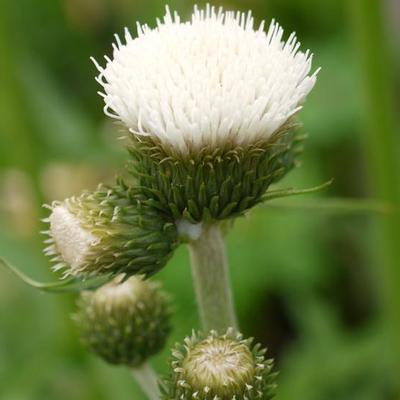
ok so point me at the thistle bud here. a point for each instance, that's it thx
(219, 367)
(124, 322)
(109, 231)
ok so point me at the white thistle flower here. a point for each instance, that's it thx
(209, 81)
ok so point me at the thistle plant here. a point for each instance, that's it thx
(210, 109)
(210, 106)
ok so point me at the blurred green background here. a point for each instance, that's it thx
(320, 286)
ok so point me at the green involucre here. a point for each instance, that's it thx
(124, 323)
(133, 238)
(219, 367)
(212, 184)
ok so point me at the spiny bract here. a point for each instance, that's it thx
(212, 186)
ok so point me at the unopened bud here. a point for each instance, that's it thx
(109, 231)
(124, 322)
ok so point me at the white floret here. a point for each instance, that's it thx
(70, 241)
(205, 82)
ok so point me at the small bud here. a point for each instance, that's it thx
(219, 367)
(124, 323)
(109, 231)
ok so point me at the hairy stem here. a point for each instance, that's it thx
(211, 280)
(148, 381)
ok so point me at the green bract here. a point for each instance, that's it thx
(211, 184)
(109, 231)
(219, 367)
(124, 323)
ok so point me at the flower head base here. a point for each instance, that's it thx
(109, 231)
(212, 186)
(210, 82)
(219, 367)
(124, 323)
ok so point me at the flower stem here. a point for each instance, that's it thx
(380, 138)
(211, 280)
(148, 380)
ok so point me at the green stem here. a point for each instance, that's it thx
(211, 280)
(148, 380)
(381, 148)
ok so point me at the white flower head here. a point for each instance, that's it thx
(205, 82)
